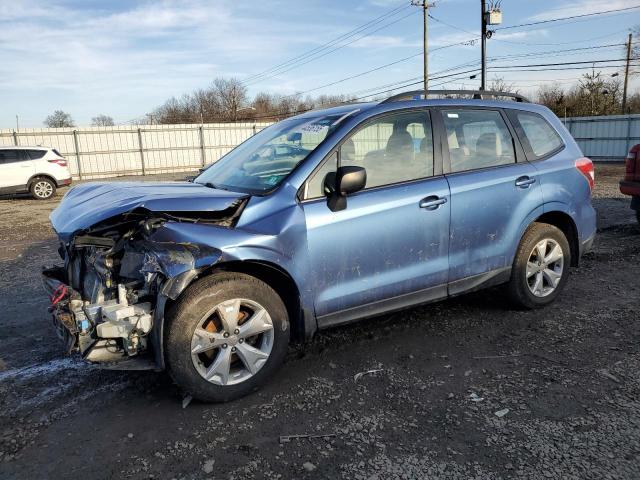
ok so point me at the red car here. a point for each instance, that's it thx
(631, 183)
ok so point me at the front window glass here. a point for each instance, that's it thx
(261, 163)
(394, 148)
(10, 156)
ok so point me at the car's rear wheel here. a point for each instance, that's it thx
(43, 188)
(541, 266)
(226, 336)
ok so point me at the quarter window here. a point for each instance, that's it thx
(477, 139)
(542, 137)
(36, 154)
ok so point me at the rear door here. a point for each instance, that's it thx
(493, 191)
(16, 168)
(388, 248)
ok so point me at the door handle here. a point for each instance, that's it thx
(432, 202)
(525, 182)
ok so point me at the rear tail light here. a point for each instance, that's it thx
(59, 161)
(632, 165)
(585, 166)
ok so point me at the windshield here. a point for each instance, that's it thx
(263, 161)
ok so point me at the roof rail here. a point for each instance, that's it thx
(475, 93)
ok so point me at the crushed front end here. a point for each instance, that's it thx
(117, 276)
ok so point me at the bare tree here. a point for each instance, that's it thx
(102, 121)
(498, 84)
(59, 119)
(231, 94)
(595, 94)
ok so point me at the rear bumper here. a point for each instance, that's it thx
(64, 183)
(630, 188)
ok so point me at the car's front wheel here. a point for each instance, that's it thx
(43, 188)
(226, 336)
(541, 266)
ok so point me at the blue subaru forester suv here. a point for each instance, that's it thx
(328, 217)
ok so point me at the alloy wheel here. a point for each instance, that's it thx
(232, 341)
(42, 189)
(545, 267)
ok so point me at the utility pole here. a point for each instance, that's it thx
(626, 76)
(18, 123)
(425, 42)
(483, 41)
(491, 17)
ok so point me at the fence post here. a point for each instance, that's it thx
(15, 138)
(202, 149)
(141, 150)
(75, 142)
(254, 128)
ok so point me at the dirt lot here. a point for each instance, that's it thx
(568, 375)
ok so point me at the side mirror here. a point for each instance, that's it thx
(339, 184)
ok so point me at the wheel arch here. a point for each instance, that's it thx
(38, 176)
(567, 225)
(302, 323)
(278, 279)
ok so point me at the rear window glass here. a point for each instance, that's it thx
(477, 139)
(36, 154)
(541, 136)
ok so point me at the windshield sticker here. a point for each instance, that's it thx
(452, 115)
(314, 128)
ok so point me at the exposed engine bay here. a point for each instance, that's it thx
(117, 275)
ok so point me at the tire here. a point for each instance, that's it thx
(523, 283)
(42, 188)
(638, 216)
(253, 304)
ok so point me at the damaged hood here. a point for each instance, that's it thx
(87, 204)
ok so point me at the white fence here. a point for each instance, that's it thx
(98, 152)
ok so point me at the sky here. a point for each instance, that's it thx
(123, 58)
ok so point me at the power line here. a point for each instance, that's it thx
(568, 18)
(375, 69)
(336, 40)
(493, 59)
(561, 63)
(323, 52)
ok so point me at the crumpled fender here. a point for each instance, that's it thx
(179, 263)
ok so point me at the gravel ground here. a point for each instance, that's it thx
(462, 389)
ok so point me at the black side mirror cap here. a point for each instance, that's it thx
(350, 179)
(343, 182)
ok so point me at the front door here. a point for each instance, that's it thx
(388, 248)
(16, 168)
(492, 193)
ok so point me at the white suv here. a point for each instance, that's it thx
(39, 170)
